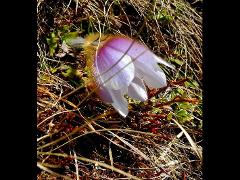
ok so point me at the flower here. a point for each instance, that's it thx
(122, 66)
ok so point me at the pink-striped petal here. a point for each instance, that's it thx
(113, 69)
(136, 50)
(126, 45)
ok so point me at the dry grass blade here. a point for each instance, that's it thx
(76, 165)
(110, 156)
(96, 163)
(193, 144)
(136, 150)
(40, 165)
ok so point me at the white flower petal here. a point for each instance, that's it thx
(151, 73)
(113, 69)
(119, 102)
(149, 60)
(157, 81)
(161, 61)
(154, 79)
(137, 90)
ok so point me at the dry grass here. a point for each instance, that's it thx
(80, 137)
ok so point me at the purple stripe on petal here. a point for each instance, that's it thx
(137, 90)
(113, 69)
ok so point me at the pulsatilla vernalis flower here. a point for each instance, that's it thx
(122, 66)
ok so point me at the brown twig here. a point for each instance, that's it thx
(177, 99)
